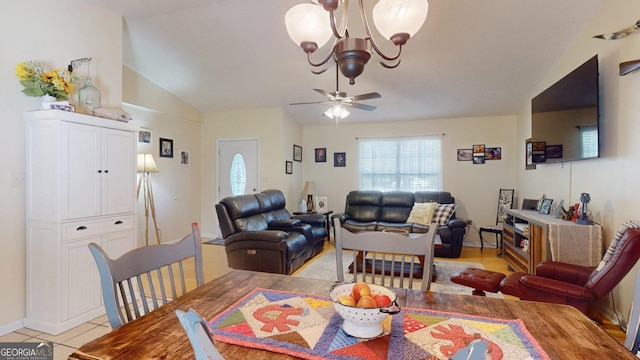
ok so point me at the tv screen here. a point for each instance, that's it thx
(565, 117)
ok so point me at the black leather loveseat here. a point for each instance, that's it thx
(369, 210)
(261, 235)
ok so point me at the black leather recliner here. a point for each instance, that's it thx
(261, 235)
(370, 210)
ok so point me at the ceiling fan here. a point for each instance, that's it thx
(338, 99)
(620, 33)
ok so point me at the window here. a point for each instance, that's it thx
(238, 175)
(406, 163)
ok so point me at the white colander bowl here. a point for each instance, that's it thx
(359, 322)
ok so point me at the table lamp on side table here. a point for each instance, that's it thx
(309, 189)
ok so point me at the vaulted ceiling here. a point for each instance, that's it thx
(471, 58)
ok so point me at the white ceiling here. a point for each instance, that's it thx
(471, 58)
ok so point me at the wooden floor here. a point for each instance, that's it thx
(215, 265)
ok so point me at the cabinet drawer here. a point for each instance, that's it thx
(88, 228)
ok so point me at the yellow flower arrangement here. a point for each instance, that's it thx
(37, 82)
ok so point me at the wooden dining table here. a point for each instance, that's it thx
(562, 331)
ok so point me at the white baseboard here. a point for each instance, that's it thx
(11, 327)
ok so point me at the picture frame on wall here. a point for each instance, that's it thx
(288, 167)
(553, 151)
(166, 148)
(529, 165)
(145, 136)
(321, 204)
(339, 159)
(465, 154)
(297, 153)
(493, 153)
(321, 154)
(185, 158)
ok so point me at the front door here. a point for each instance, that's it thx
(237, 167)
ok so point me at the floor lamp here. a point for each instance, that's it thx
(146, 166)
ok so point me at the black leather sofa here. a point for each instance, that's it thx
(261, 235)
(368, 210)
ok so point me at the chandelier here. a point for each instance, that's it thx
(396, 20)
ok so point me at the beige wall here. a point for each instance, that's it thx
(611, 180)
(53, 33)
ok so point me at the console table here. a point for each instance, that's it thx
(549, 239)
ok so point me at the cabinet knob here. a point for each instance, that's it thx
(118, 222)
(106, 171)
(81, 228)
(99, 171)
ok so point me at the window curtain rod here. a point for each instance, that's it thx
(396, 137)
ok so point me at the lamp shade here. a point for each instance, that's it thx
(146, 163)
(336, 112)
(399, 16)
(309, 188)
(308, 22)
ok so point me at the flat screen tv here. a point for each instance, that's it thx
(565, 122)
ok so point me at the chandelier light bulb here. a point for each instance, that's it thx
(393, 17)
(308, 23)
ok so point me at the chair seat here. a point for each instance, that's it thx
(491, 228)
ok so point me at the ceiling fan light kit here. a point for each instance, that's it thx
(397, 20)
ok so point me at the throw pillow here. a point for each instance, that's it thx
(443, 213)
(422, 213)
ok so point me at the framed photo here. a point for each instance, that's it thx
(145, 136)
(297, 153)
(321, 204)
(478, 159)
(166, 148)
(539, 146)
(478, 148)
(321, 154)
(185, 159)
(553, 151)
(545, 207)
(465, 154)
(288, 167)
(339, 159)
(493, 153)
(529, 165)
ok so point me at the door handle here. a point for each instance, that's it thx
(81, 228)
(118, 222)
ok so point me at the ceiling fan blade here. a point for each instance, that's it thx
(323, 92)
(312, 102)
(359, 106)
(373, 95)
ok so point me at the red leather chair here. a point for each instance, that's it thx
(579, 286)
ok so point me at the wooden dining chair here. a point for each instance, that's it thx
(199, 335)
(136, 282)
(505, 202)
(632, 341)
(386, 258)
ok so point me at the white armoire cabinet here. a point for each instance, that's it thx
(80, 188)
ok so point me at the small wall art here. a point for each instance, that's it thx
(553, 151)
(297, 153)
(339, 159)
(493, 153)
(166, 148)
(529, 165)
(465, 154)
(539, 151)
(288, 167)
(145, 136)
(321, 154)
(321, 204)
(185, 158)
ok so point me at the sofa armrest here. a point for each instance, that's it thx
(568, 273)
(284, 224)
(343, 217)
(311, 219)
(547, 288)
(457, 223)
(267, 236)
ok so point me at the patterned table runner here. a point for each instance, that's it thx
(308, 327)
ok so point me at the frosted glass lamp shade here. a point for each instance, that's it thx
(146, 164)
(393, 17)
(336, 112)
(308, 23)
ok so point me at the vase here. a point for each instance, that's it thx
(46, 102)
(88, 97)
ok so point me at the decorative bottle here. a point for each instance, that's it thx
(88, 97)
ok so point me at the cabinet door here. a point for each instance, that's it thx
(80, 289)
(82, 171)
(119, 177)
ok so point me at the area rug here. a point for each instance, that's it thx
(214, 242)
(307, 326)
(324, 267)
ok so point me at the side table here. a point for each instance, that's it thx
(327, 219)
